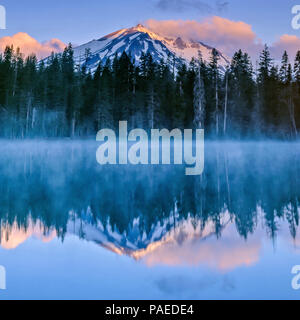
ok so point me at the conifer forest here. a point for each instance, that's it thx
(57, 98)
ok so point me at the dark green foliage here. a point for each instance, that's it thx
(56, 98)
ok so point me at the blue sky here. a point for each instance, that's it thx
(80, 21)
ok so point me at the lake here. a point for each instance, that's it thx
(72, 229)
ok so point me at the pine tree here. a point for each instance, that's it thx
(297, 88)
(214, 69)
(199, 95)
(297, 67)
(291, 105)
(265, 65)
(284, 68)
(265, 92)
(69, 93)
(286, 78)
(241, 94)
(226, 101)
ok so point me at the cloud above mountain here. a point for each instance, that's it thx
(185, 5)
(224, 34)
(29, 45)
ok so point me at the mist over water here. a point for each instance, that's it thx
(71, 228)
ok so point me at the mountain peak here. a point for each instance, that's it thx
(142, 29)
(138, 40)
(139, 26)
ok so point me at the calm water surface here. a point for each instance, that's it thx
(71, 229)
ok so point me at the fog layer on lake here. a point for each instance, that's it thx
(73, 229)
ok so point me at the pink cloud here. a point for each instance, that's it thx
(201, 248)
(286, 42)
(29, 45)
(224, 34)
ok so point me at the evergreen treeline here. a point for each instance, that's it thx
(57, 98)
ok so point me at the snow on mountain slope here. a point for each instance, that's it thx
(137, 40)
(137, 243)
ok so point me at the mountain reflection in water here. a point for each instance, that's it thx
(249, 193)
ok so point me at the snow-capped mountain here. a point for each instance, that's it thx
(137, 40)
(137, 243)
